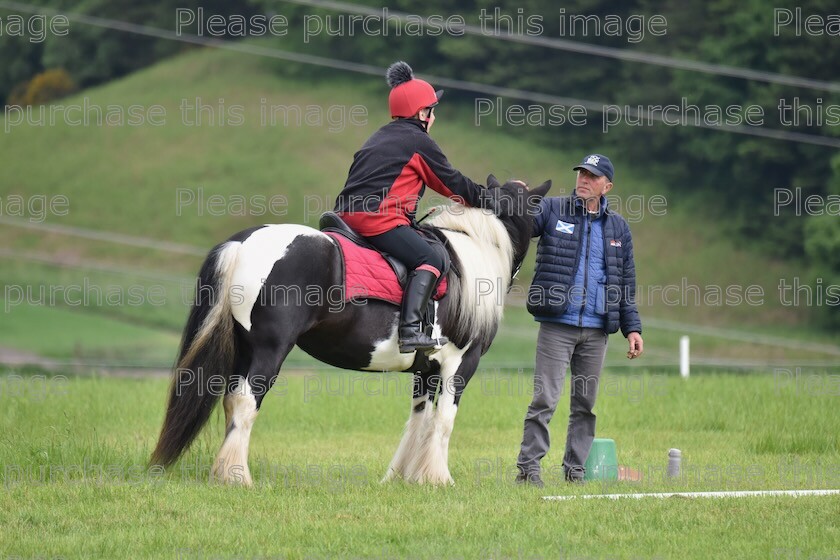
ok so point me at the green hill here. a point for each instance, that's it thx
(145, 181)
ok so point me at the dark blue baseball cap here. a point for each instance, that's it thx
(597, 164)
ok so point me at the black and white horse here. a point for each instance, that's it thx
(266, 288)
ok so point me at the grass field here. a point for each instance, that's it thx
(75, 484)
(73, 448)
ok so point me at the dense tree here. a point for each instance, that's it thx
(94, 54)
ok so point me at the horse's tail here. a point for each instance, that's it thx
(206, 357)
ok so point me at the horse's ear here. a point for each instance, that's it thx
(539, 192)
(492, 182)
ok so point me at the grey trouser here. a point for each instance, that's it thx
(559, 346)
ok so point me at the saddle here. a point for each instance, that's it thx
(371, 273)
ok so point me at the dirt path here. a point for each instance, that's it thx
(15, 358)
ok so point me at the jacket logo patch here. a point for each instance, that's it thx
(615, 243)
(565, 227)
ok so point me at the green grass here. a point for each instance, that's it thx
(66, 333)
(322, 442)
(73, 450)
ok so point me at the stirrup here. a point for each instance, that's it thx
(419, 341)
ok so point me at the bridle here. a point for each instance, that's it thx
(517, 263)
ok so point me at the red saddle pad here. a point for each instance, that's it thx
(368, 275)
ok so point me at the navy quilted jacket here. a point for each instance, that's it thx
(561, 226)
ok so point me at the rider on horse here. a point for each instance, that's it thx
(386, 180)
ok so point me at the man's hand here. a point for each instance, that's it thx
(636, 345)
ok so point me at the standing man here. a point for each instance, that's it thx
(583, 290)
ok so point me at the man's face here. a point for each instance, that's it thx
(590, 186)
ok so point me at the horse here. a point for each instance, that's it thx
(238, 334)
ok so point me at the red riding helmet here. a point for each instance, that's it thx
(409, 94)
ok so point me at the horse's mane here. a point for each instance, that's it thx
(484, 252)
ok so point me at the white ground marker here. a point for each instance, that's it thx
(742, 494)
(684, 359)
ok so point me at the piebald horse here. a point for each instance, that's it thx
(243, 324)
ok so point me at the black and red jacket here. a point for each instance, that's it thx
(389, 174)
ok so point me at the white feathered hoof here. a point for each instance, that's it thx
(234, 474)
(231, 464)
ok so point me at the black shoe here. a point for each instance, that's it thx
(574, 475)
(418, 290)
(533, 479)
(413, 338)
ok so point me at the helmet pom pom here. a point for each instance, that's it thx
(398, 73)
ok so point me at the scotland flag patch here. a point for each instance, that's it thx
(565, 227)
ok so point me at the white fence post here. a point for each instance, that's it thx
(684, 361)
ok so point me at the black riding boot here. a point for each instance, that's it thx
(418, 290)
